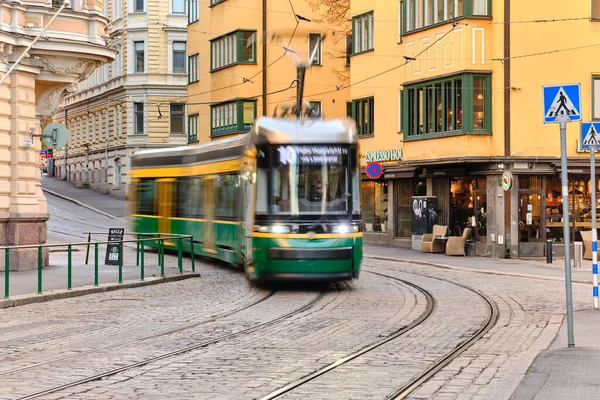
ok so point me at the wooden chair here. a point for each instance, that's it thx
(429, 243)
(456, 244)
(586, 236)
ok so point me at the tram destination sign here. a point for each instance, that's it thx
(383, 155)
(311, 154)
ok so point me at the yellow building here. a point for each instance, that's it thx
(135, 103)
(35, 75)
(448, 96)
(237, 73)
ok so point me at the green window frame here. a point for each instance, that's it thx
(215, 2)
(237, 47)
(232, 117)
(192, 11)
(193, 128)
(420, 14)
(193, 74)
(457, 104)
(363, 112)
(362, 32)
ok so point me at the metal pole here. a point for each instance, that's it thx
(40, 270)
(142, 259)
(26, 51)
(6, 272)
(301, 73)
(566, 234)
(549, 251)
(121, 262)
(69, 268)
(96, 264)
(594, 229)
(107, 142)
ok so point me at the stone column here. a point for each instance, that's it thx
(23, 212)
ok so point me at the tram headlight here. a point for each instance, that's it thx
(273, 228)
(345, 228)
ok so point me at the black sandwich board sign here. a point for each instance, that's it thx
(423, 214)
(112, 249)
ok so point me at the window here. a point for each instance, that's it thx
(233, 48)
(189, 198)
(362, 32)
(349, 109)
(138, 5)
(422, 13)
(461, 103)
(595, 9)
(139, 57)
(146, 195)
(178, 6)
(315, 106)
(348, 49)
(117, 5)
(193, 128)
(400, 111)
(225, 187)
(193, 68)
(374, 205)
(179, 57)
(192, 11)
(138, 117)
(314, 41)
(596, 97)
(232, 117)
(363, 112)
(400, 21)
(177, 112)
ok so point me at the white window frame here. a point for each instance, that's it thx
(134, 4)
(135, 56)
(318, 57)
(400, 19)
(117, 6)
(172, 8)
(362, 32)
(174, 51)
(136, 116)
(595, 97)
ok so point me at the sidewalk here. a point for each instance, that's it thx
(549, 369)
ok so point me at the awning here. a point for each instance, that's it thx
(399, 173)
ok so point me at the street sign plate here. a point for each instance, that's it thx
(590, 134)
(562, 100)
(373, 170)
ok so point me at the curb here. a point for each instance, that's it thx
(481, 271)
(52, 192)
(25, 299)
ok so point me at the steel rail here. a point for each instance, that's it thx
(430, 307)
(176, 352)
(165, 333)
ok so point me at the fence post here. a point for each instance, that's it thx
(39, 269)
(161, 257)
(137, 250)
(69, 268)
(142, 259)
(179, 255)
(96, 264)
(87, 248)
(6, 272)
(121, 262)
(192, 255)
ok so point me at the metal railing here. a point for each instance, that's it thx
(142, 240)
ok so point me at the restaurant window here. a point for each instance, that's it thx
(468, 207)
(404, 189)
(375, 206)
(457, 104)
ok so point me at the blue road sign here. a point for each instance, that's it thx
(562, 100)
(374, 170)
(590, 134)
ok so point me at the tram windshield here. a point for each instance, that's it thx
(306, 180)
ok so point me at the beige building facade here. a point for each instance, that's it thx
(135, 103)
(71, 48)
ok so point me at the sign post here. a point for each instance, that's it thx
(562, 104)
(590, 138)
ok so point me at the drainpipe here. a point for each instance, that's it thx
(507, 195)
(264, 57)
(87, 167)
(107, 144)
(65, 154)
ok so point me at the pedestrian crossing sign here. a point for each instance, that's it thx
(562, 100)
(590, 135)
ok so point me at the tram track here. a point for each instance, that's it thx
(177, 352)
(148, 337)
(426, 374)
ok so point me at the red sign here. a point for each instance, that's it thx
(374, 170)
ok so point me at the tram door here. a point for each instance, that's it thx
(166, 187)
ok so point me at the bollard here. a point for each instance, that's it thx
(6, 272)
(69, 268)
(577, 254)
(549, 251)
(121, 262)
(96, 264)
(40, 270)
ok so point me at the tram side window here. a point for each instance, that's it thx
(226, 187)
(146, 197)
(189, 201)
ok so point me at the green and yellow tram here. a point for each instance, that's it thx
(283, 200)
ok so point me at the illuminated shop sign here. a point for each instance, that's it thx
(311, 154)
(383, 155)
